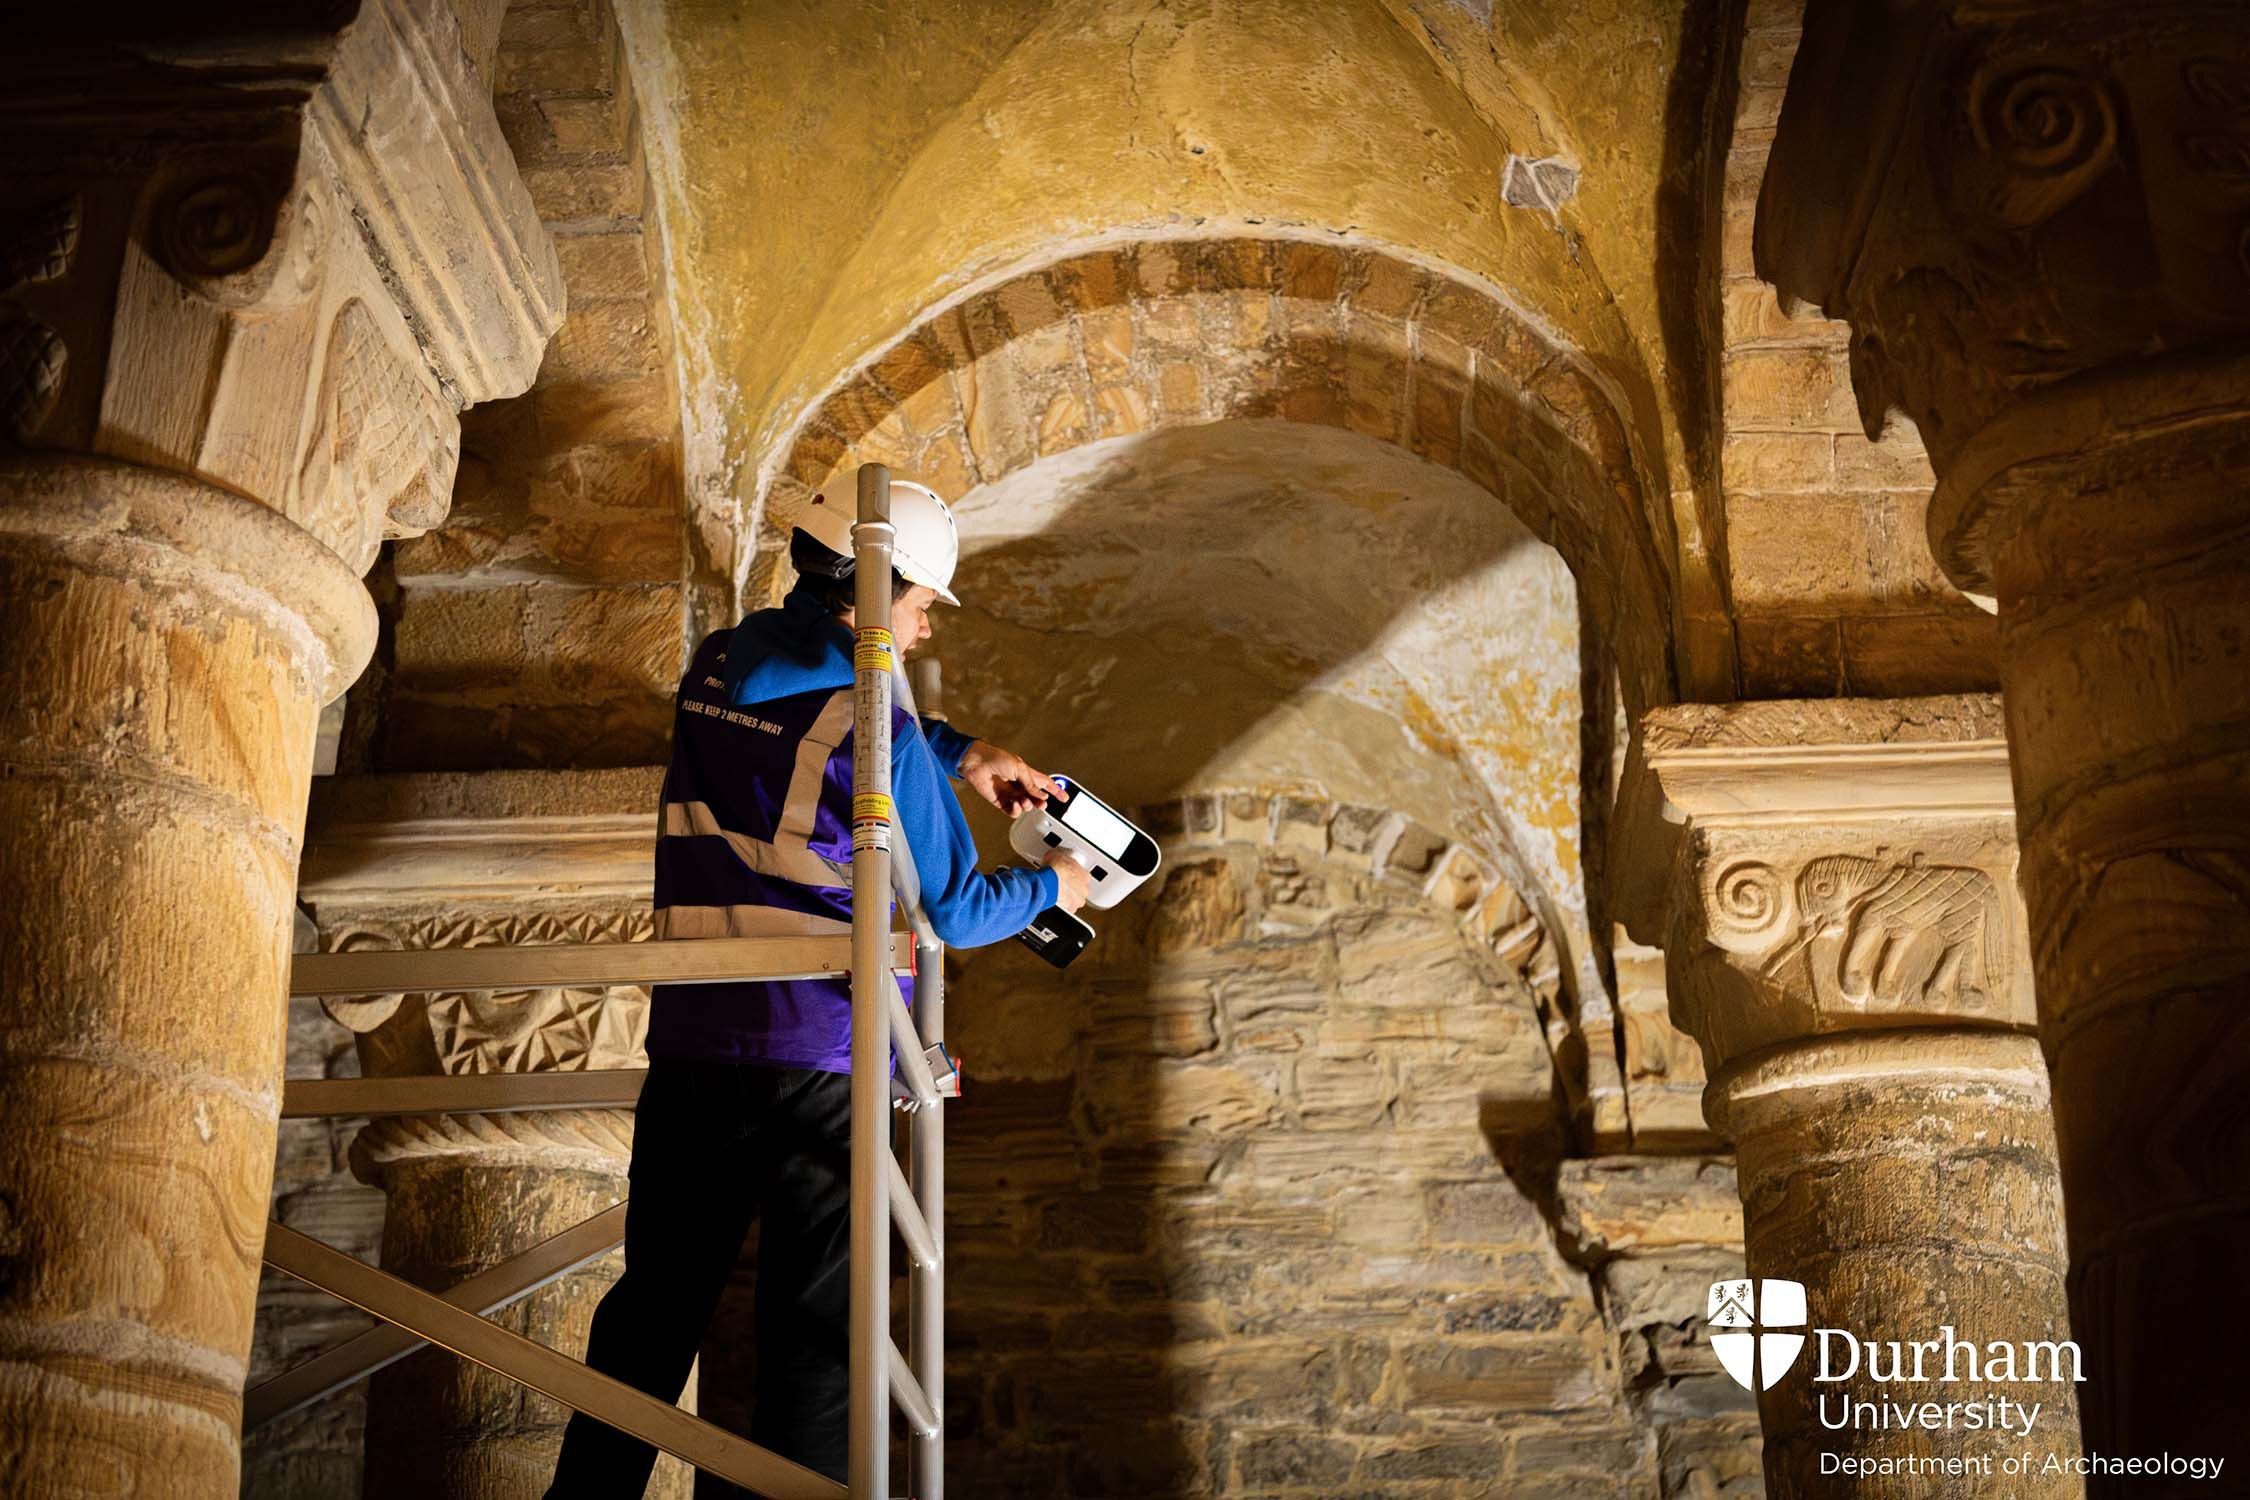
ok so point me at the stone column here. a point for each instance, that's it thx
(2034, 220)
(1832, 884)
(169, 647)
(464, 860)
(465, 1192)
(248, 279)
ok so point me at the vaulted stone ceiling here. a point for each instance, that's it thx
(918, 152)
(1590, 162)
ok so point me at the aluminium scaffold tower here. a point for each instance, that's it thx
(884, 1196)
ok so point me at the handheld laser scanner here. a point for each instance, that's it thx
(1117, 857)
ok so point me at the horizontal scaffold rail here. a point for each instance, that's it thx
(883, 1196)
(459, 1094)
(376, 971)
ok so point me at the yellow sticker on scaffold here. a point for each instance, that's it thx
(873, 652)
(872, 814)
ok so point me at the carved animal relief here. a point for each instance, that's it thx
(384, 445)
(1853, 932)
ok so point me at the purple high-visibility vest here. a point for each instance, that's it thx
(755, 841)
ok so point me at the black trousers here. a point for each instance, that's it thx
(716, 1146)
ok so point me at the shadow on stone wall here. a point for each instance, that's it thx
(1227, 1208)
(1226, 1218)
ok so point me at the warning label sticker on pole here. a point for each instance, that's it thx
(873, 652)
(872, 815)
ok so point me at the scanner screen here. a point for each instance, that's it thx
(1100, 827)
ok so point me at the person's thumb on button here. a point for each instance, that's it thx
(1072, 883)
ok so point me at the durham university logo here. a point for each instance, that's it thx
(1757, 1359)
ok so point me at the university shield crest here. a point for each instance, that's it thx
(1741, 1315)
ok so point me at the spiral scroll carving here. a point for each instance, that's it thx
(1750, 906)
(2045, 120)
(2049, 130)
(218, 227)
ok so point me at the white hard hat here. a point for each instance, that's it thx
(927, 547)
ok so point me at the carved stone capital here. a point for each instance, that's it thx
(1820, 868)
(279, 253)
(2002, 197)
(493, 1031)
(459, 860)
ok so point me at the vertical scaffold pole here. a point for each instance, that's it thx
(872, 820)
(926, 1336)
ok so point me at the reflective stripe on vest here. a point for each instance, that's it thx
(802, 805)
(790, 860)
(789, 856)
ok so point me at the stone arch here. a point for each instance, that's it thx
(1150, 334)
(1392, 853)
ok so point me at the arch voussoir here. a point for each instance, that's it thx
(1139, 336)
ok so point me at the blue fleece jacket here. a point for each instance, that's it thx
(801, 648)
(757, 837)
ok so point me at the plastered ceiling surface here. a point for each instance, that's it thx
(830, 174)
(1257, 606)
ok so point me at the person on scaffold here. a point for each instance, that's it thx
(746, 1113)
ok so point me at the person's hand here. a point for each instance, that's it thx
(1004, 778)
(1072, 883)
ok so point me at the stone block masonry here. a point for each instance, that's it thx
(1231, 1206)
(1832, 585)
(543, 624)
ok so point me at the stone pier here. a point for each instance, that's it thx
(464, 1193)
(169, 647)
(2044, 265)
(250, 280)
(1844, 942)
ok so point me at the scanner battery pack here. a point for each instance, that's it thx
(1056, 936)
